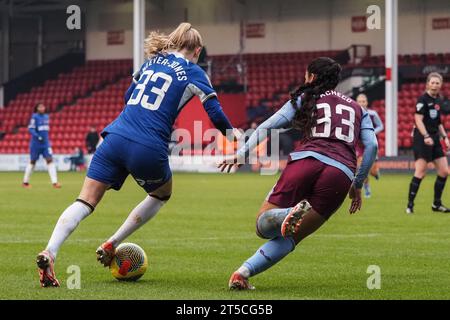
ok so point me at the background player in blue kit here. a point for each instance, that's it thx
(136, 142)
(40, 145)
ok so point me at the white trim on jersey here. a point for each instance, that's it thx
(136, 75)
(190, 91)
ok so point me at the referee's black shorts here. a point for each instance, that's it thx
(428, 153)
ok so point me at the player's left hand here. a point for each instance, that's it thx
(355, 195)
(447, 143)
(229, 162)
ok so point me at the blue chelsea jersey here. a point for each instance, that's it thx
(163, 86)
(39, 128)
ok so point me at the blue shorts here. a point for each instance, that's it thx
(117, 157)
(36, 150)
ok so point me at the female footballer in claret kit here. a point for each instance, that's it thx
(320, 172)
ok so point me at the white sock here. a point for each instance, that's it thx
(68, 221)
(52, 172)
(28, 171)
(143, 212)
(243, 270)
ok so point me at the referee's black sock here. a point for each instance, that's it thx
(439, 186)
(413, 189)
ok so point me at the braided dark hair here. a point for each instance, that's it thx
(327, 73)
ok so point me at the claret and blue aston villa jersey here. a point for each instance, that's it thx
(160, 90)
(39, 128)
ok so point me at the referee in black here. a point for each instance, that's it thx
(428, 133)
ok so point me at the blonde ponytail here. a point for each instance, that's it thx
(155, 43)
(183, 37)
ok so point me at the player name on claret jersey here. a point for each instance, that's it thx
(337, 93)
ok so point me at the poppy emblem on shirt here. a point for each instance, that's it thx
(437, 107)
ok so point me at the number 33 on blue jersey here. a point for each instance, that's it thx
(139, 96)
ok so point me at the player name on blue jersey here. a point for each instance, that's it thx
(175, 65)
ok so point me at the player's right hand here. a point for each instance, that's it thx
(40, 139)
(229, 162)
(428, 141)
(355, 195)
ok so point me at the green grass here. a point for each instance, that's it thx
(207, 230)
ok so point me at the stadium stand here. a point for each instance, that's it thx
(92, 94)
(82, 87)
(409, 59)
(268, 74)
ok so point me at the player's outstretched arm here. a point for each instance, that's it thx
(378, 124)
(219, 119)
(281, 119)
(370, 143)
(200, 85)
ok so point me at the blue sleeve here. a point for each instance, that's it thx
(281, 119)
(129, 91)
(378, 124)
(135, 78)
(32, 127)
(201, 85)
(369, 140)
(216, 114)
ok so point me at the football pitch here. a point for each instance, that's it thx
(207, 230)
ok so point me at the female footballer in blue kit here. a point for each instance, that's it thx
(40, 145)
(136, 142)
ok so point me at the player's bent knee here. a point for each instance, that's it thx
(420, 174)
(164, 198)
(92, 191)
(265, 229)
(443, 174)
(258, 232)
(87, 204)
